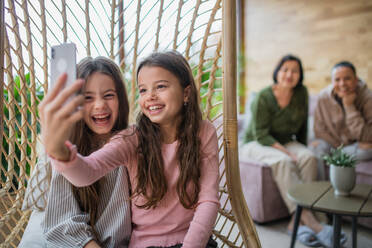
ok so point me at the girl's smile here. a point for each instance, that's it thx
(101, 119)
(161, 96)
(101, 103)
(155, 108)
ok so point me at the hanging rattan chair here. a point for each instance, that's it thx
(202, 30)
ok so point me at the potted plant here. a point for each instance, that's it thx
(342, 171)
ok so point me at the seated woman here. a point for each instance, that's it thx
(343, 116)
(277, 135)
(87, 217)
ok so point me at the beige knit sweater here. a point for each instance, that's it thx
(337, 124)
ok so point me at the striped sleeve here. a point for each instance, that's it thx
(64, 224)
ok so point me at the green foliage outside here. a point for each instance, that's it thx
(217, 95)
(338, 157)
(17, 132)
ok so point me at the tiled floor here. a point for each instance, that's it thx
(275, 235)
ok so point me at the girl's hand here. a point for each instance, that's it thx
(92, 244)
(57, 117)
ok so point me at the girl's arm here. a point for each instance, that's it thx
(57, 117)
(83, 171)
(208, 204)
(64, 224)
(92, 244)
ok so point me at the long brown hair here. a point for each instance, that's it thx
(151, 179)
(86, 140)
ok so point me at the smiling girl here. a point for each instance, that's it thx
(87, 216)
(171, 154)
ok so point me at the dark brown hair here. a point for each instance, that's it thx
(345, 64)
(286, 58)
(151, 181)
(86, 140)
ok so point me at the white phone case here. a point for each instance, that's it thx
(63, 60)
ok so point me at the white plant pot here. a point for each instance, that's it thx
(342, 179)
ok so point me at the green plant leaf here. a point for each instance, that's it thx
(339, 157)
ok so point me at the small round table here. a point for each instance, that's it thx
(319, 196)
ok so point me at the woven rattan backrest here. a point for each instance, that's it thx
(202, 30)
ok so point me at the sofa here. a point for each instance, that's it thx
(260, 190)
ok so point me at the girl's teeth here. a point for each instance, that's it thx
(102, 118)
(154, 107)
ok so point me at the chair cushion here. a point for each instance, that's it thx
(261, 192)
(38, 184)
(33, 236)
(364, 172)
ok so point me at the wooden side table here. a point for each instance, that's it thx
(319, 196)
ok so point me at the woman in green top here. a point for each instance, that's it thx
(277, 134)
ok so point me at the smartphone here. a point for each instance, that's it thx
(63, 60)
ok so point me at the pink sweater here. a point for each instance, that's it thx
(169, 223)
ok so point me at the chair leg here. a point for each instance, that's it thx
(295, 226)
